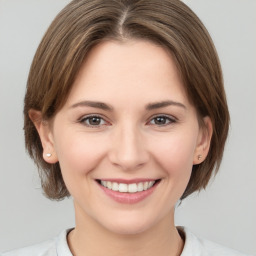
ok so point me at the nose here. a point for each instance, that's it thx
(128, 149)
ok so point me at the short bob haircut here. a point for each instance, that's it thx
(81, 25)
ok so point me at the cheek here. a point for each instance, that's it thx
(175, 153)
(175, 158)
(78, 154)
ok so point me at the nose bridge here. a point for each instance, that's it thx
(128, 148)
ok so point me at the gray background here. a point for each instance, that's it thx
(224, 213)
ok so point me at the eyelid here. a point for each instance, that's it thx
(84, 117)
(170, 117)
(91, 115)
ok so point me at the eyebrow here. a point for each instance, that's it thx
(162, 104)
(93, 104)
(150, 106)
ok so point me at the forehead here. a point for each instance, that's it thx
(123, 70)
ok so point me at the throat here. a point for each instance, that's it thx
(90, 238)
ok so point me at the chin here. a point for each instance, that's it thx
(129, 225)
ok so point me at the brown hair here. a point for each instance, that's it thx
(81, 25)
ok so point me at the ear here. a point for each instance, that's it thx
(45, 133)
(203, 141)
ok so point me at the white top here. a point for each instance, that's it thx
(59, 247)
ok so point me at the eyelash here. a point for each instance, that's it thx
(84, 119)
(87, 118)
(170, 119)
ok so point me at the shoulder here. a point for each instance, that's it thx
(55, 247)
(199, 246)
(46, 248)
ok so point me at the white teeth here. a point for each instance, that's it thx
(115, 186)
(145, 185)
(103, 183)
(140, 186)
(150, 184)
(130, 188)
(109, 185)
(123, 187)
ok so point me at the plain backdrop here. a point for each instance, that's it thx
(224, 213)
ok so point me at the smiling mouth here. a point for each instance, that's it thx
(128, 188)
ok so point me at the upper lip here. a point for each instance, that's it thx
(128, 181)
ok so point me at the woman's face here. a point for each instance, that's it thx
(127, 124)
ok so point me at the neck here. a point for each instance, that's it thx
(90, 238)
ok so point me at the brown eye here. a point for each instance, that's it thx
(162, 120)
(93, 121)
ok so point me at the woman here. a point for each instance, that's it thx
(125, 111)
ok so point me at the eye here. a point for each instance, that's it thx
(162, 120)
(93, 121)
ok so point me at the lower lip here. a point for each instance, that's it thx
(128, 198)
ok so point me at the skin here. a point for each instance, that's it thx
(127, 142)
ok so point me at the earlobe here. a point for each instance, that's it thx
(45, 134)
(204, 141)
(50, 158)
